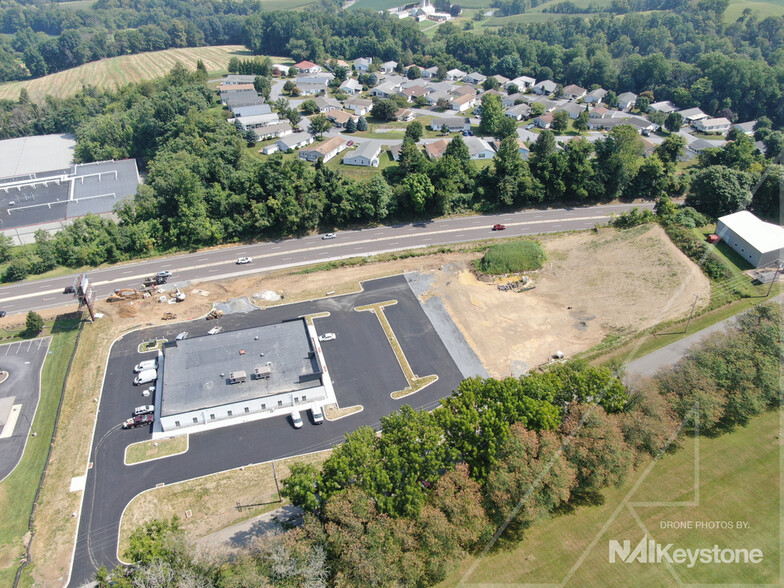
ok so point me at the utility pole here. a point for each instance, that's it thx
(277, 486)
(693, 306)
(773, 281)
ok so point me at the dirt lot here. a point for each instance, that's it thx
(592, 285)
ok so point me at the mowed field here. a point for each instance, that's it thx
(118, 71)
(736, 477)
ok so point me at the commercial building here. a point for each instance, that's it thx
(758, 242)
(238, 375)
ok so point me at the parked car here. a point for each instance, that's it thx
(138, 421)
(2, 313)
(164, 274)
(243, 260)
(329, 236)
(317, 414)
(214, 330)
(529, 127)
(349, 144)
(499, 227)
(69, 290)
(144, 409)
(327, 337)
(296, 419)
(148, 364)
(181, 336)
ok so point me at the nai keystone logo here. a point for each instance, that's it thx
(648, 551)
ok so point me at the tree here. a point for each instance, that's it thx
(673, 122)
(718, 190)
(351, 125)
(647, 421)
(512, 89)
(643, 103)
(6, 243)
(419, 190)
(362, 124)
(384, 109)
(490, 83)
(289, 87)
(319, 125)
(309, 107)
(671, 149)
(201, 71)
(491, 111)
(411, 159)
(505, 127)
(18, 269)
(560, 121)
(34, 324)
(537, 109)
(294, 117)
(774, 145)
(581, 124)
(415, 130)
(770, 192)
(302, 487)
(262, 86)
(414, 73)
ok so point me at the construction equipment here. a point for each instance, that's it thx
(168, 316)
(214, 314)
(180, 296)
(154, 280)
(125, 294)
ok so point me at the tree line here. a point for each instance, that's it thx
(406, 506)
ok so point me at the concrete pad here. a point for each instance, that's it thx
(10, 425)
(78, 483)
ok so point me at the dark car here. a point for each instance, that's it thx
(499, 227)
(2, 313)
(69, 290)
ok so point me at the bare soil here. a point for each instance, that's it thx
(593, 284)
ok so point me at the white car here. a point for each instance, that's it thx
(214, 330)
(164, 274)
(317, 414)
(243, 260)
(327, 337)
(296, 419)
(144, 409)
(329, 236)
(181, 336)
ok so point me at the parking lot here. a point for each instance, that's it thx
(363, 370)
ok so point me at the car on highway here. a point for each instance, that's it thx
(69, 290)
(296, 419)
(144, 409)
(243, 260)
(164, 274)
(2, 313)
(328, 236)
(327, 337)
(317, 414)
(499, 227)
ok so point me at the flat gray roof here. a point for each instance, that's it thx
(32, 155)
(196, 371)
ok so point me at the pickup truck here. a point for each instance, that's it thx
(138, 421)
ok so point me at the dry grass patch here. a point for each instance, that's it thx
(332, 412)
(149, 450)
(212, 500)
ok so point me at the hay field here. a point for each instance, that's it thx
(117, 71)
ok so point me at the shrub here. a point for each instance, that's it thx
(518, 256)
(632, 218)
(698, 252)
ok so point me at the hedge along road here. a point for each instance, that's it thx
(221, 263)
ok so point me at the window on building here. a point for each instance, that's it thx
(263, 406)
(304, 398)
(229, 413)
(176, 423)
(212, 417)
(280, 403)
(247, 409)
(195, 420)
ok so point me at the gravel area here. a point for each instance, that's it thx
(235, 305)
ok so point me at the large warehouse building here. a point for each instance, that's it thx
(758, 242)
(238, 375)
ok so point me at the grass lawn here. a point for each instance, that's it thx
(147, 450)
(358, 172)
(738, 480)
(763, 8)
(17, 492)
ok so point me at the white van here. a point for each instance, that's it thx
(317, 414)
(145, 377)
(150, 364)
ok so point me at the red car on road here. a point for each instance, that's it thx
(499, 227)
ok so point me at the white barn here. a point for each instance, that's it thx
(758, 242)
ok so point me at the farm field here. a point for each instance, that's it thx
(763, 8)
(738, 481)
(118, 71)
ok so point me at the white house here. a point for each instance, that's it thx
(275, 131)
(758, 242)
(366, 155)
(351, 87)
(430, 72)
(692, 115)
(359, 106)
(455, 75)
(746, 127)
(664, 106)
(269, 149)
(295, 141)
(478, 148)
(595, 96)
(326, 150)
(474, 78)
(462, 103)
(258, 120)
(627, 100)
(363, 63)
(572, 109)
(518, 112)
(522, 83)
(326, 104)
(388, 66)
(283, 70)
(454, 124)
(252, 110)
(545, 87)
(308, 67)
(713, 125)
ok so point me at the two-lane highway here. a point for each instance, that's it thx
(221, 262)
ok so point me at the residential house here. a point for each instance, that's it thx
(627, 100)
(351, 87)
(363, 63)
(360, 106)
(502, 80)
(238, 79)
(413, 92)
(574, 92)
(474, 78)
(269, 149)
(326, 104)
(279, 69)
(713, 125)
(549, 105)
(252, 110)
(273, 131)
(239, 99)
(598, 112)
(340, 117)
(405, 114)
(434, 97)
(610, 122)
(463, 91)
(545, 87)
(311, 89)
(437, 148)
(478, 148)
(227, 95)
(664, 106)
(595, 96)
(430, 72)
(455, 75)
(523, 83)
(572, 109)
(235, 87)
(366, 155)
(258, 120)
(545, 121)
(295, 141)
(342, 63)
(698, 146)
(692, 115)
(746, 127)
(511, 99)
(308, 67)
(462, 103)
(518, 112)
(386, 89)
(388, 66)
(326, 150)
(454, 124)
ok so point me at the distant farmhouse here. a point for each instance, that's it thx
(41, 189)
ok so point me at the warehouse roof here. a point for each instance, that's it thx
(33, 155)
(762, 236)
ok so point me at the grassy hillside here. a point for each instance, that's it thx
(118, 71)
(764, 8)
(737, 475)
